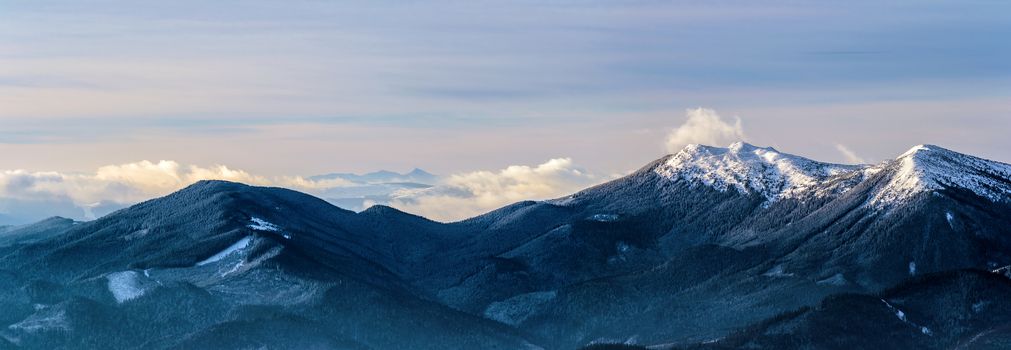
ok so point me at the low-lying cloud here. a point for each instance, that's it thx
(465, 195)
(28, 196)
(704, 126)
(119, 185)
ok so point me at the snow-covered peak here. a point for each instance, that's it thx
(748, 169)
(929, 167)
(920, 148)
(738, 147)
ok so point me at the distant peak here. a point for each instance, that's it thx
(418, 172)
(382, 173)
(380, 177)
(386, 212)
(52, 219)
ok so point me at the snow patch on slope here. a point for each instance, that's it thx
(235, 247)
(242, 265)
(136, 234)
(1006, 271)
(263, 225)
(902, 317)
(265, 287)
(517, 309)
(124, 285)
(604, 217)
(44, 320)
(836, 280)
(749, 169)
(777, 271)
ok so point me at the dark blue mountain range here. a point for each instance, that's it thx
(738, 247)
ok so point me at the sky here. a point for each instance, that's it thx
(281, 90)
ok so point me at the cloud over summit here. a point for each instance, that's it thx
(704, 126)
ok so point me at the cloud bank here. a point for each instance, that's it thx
(25, 195)
(465, 195)
(706, 127)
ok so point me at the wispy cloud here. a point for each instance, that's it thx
(849, 155)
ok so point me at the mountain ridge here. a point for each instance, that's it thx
(661, 259)
(775, 175)
(929, 167)
(748, 168)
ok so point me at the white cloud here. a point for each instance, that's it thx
(465, 195)
(851, 157)
(127, 184)
(705, 127)
(456, 197)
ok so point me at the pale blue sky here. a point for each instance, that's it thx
(306, 87)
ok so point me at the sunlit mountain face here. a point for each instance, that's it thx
(709, 247)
